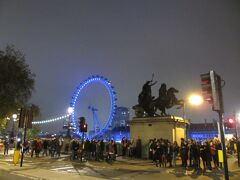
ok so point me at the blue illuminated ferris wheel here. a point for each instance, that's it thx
(112, 97)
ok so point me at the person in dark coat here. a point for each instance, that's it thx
(208, 156)
(138, 148)
(33, 147)
(157, 154)
(175, 152)
(115, 150)
(87, 149)
(163, 148)
(45, 147)
(169, 153)
(102, 148)
(205, 155)
(6, 146)
(74, 148)
(153, 147)
(184, 152)
(195, 154)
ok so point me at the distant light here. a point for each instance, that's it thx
(195, 100)
(50, 120)
(238, 116)
(18, 139)
(14, 116)
(230, 120)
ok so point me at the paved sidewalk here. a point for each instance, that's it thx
(123, 168)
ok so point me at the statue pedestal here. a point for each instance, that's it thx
(172, 128)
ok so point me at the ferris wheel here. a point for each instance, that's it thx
(112, 98)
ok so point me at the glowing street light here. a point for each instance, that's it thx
(70, 110)
(14, 116)
(195, 100)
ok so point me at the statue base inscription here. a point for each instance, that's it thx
(172, 128)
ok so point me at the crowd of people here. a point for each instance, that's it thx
(198, 155)
(98, 150)
(163, 153)
(36, 147)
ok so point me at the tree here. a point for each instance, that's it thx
(16, 81)
(3, 124)
(33, 133)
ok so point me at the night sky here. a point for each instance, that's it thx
(125, 41)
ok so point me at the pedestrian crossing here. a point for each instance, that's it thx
(68, 169)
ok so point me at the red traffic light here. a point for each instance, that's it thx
(231, 120)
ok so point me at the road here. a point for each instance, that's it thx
(9, 176)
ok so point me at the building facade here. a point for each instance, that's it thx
(121, 118)
(202, 131)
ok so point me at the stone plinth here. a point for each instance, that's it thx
(172, 128)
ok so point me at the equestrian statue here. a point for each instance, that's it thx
(148, 105)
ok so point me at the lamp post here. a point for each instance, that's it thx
(194, 100)
(69, 126)
(14, 116)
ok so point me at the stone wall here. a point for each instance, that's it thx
(171, 128)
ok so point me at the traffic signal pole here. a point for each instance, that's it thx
(24, 139)
(235, 126)
(82, 146)
(212, 92)
(221, 128)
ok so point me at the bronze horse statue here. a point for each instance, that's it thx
(166, 99)
(148, 106)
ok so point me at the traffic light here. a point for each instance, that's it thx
(230, 123)
(82, 124)
(206, 87)
(22, 118)
(212, 90)
(85, 127)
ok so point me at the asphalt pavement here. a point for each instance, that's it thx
(6, 175)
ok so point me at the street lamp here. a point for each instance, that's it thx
(69, 126)
(70, 110)
(194, 100)
(14, 116)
